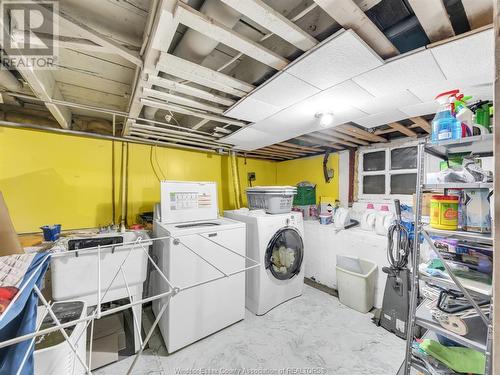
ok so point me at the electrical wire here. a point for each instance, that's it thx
(158, 164)
(152, 164)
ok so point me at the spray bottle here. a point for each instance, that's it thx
(444, 125)
(464, 114)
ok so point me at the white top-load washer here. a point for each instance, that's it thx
(203, 256)
(277, 242)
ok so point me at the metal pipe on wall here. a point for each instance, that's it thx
(236, 179)
(123, 187)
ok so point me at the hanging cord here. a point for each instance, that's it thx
(398, 252)
(158, 164)
(152, 164)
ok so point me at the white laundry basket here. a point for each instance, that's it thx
(273, 199)
(356, 282)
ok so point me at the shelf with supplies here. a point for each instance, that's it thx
(481, 145)
(475, 287)
(458, 185)
(485, 238)
(475, 338)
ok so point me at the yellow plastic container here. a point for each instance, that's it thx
(444, 212)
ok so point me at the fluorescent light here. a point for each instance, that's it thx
(325, 119)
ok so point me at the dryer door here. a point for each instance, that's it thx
(285, 253)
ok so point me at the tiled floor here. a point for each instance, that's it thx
(312, 334)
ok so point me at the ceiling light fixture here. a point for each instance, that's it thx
(325, 119)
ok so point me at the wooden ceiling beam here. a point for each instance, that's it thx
(171, 98)
(322, 136)
(434, 19)
(403, 129)
(345, 137)
(422, 123)
(273, 21)
(321, 143)
(188, 90)
(360, 133)
(349, 15)
(479, 12)
(201, 75)
(300, 147)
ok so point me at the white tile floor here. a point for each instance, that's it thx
(312, 334)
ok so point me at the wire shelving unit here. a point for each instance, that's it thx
(479, 335)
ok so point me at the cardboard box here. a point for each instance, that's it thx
(9, 241)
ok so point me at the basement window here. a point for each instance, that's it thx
(387, 173)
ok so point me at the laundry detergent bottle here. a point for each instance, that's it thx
(368, 218)
(383, 220)
(444, 125)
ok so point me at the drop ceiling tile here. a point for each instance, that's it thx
(340, 58)
(471, 56)
(379, 119)
(388, 102)
(250, 109)
(283, 90)
(245, 136)
(400, 74)
(420, 109)
(427, 93)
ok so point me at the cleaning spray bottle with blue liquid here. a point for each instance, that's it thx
(445, 125)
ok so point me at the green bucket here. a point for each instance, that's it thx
(306, 195)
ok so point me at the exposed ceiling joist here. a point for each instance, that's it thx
(162, 32)
(188, 90)
(201, 75)
(434, 19)
(284, 152)
(359, 133)
(170, 131)
(69, 23)
(273, 21)
(345, 137)
(403, 129)
(171, 98)
(300, 147)
(479, 12)
(296, 150)
(187, 111)
(154, 135)
(221, 33)
(201, 124)
(313, 141)
(350, 16)
(329, 138)
(422, 123)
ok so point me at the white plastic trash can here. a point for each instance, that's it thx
(356, 282)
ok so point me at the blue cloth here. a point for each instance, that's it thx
(20, 319)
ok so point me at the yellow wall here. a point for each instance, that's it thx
(50, 178)
(310, 169)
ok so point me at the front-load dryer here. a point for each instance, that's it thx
(276, 241)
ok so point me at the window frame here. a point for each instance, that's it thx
(387, 172)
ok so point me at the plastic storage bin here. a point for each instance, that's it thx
(272, 199)
(356, 282)
(306, 195)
